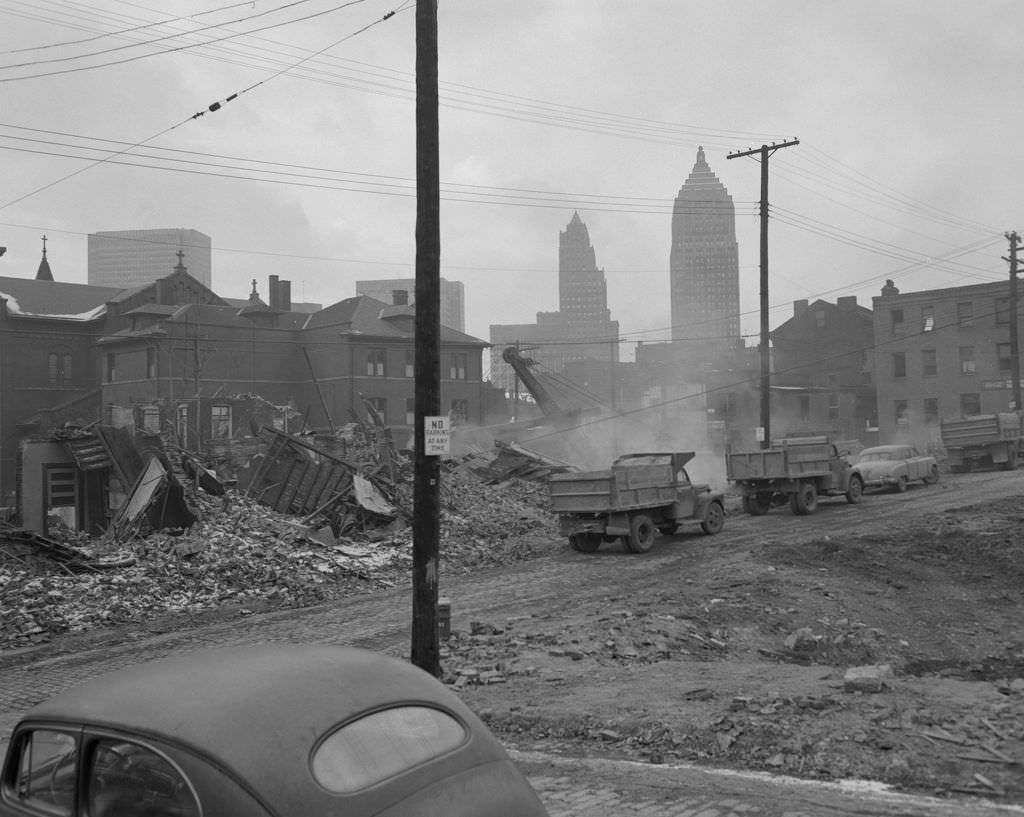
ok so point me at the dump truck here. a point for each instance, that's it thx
(986, 440)
(639, 496)
(794, 471)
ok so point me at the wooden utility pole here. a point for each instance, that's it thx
(426, 526)
(765, 151)
(1014, 240)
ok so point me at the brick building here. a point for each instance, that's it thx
(941, 353)
(822, 378)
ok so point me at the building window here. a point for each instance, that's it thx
(378, 410)
(52, 367)
(899, 364)
(970, 404)
(805, 407)
(111, 368)
(833, 405)
(931, 411)
(927, 318)
(900, 412)
(151, 364)
(375, 360)
(819, 317)
(181, 423)
(410, 363)
(151, 418)
(459, 412)
(457, 371)
(220, 422)
(965, 314)
(1005, 354)
(967, 360)
(1002, 311)
(897, 321)
(410, 411)
(929, 363)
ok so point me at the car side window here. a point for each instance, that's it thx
(46, 770)
(125, 779)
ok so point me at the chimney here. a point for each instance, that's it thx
(273, 301)
(799, 306)
(889, 288)
(284, 296)
(846, 300)
(400, 297)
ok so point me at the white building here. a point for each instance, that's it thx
(128, 258)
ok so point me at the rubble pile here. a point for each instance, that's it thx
(242, 556)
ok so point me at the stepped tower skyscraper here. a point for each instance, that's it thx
(704, 264)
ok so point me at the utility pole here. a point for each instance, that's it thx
(426, 527)
(765, 151)
(1014, 240)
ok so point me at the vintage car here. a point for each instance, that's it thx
(895, 466)
(275, 729)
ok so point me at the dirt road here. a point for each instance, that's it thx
(732, 649)
(727, 651)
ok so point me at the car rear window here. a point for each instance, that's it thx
(383, 744)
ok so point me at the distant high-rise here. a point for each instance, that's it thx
(403, 291)
(704, 264)
(128, 258)
(581, 329)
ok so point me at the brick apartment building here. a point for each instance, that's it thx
(941, 353)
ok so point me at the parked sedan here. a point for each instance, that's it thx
(895, 466)
(275, 729)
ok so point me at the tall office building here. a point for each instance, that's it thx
(128, 258)
(704, 265)
(581, 329)
(403, 291)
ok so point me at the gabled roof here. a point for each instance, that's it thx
(364, 315)
(27, 297)
(807, 313)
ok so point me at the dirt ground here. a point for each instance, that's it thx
(736, 655)
(731, 650)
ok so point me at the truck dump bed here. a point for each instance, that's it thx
(785, 461)
(980, 429)
(620, 488)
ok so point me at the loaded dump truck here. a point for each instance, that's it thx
(796, 471)
(983, 440)
(641, 494)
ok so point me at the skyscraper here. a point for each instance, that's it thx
(581, 329)
(704, 264)
(128, 258)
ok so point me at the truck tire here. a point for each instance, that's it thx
(641, 533)
(805, 501)
(714, 519)
(585, 542)
(757, 504)
(855, 490)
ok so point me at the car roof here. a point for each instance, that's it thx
(892, 447)
(257, 710)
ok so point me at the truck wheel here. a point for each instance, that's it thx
(585, 542)
(714, 520)
(757, 504)
(641, 533)
(855, 490)
(805, 500)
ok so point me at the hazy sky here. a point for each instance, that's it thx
(907, 111)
